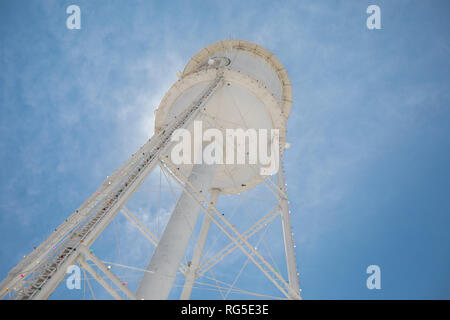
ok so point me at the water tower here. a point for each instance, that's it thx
(231, 84)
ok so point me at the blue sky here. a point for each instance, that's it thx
(368, 172)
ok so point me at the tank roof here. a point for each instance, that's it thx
(269, 57)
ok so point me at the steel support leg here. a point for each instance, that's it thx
(287, 234)
(198, 251)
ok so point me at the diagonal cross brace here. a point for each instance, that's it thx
(231, 246)
(238, 239)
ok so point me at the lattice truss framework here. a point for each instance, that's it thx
(39, 274)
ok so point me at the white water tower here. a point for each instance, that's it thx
(229, 84)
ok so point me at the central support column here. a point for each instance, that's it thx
(157, 283)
